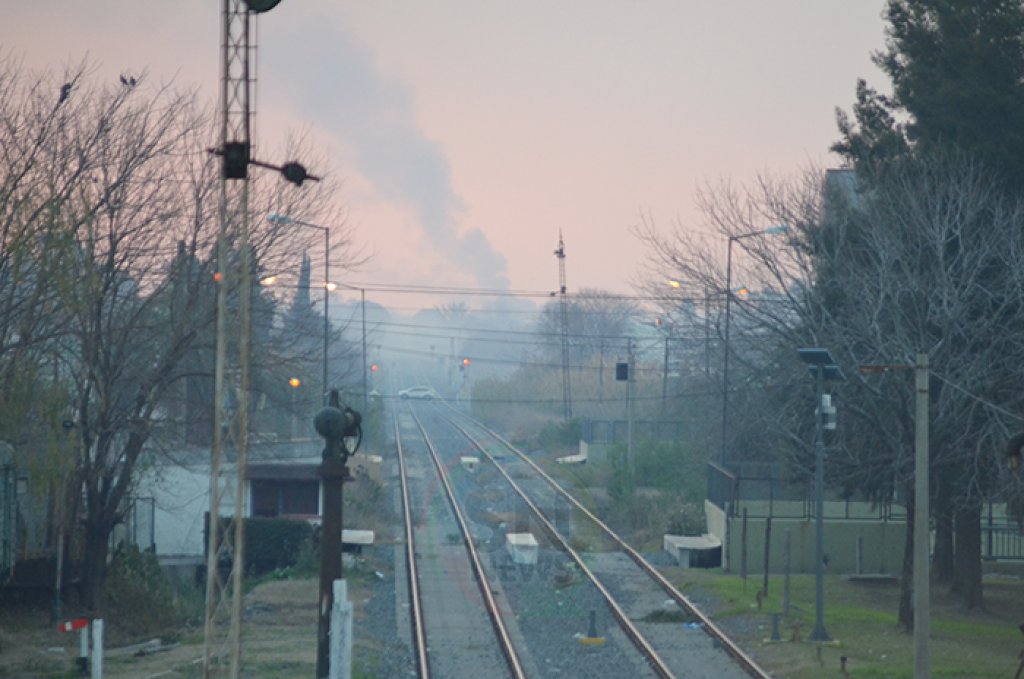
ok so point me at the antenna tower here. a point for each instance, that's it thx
(563, 312)
(233, 272)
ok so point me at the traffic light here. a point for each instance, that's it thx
(294, 383)
(465, 362)
(621, 372)
(374, 368)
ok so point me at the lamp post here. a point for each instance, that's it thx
(780, 228)
(284, 219)
(823, 368)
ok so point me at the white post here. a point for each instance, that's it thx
(97, 649)
(83, 644)
(341, 633)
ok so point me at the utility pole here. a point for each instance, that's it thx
(235, 152)
(563, 312)
(629, 409)
(922, 511)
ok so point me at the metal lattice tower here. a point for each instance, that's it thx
(233, 273)
(563, 312)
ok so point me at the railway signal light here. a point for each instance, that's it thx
(235, 160)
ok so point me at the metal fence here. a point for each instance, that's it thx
(762, 490)
(765, 490)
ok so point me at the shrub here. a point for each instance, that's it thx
(560, 434)
(138, 590)
(271, 544)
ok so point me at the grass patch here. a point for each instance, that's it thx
(863, 625)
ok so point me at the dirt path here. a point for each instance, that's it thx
(279, 642)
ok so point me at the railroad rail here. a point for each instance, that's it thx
(713, 630)
(490, 606)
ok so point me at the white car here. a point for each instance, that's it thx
(425, 393)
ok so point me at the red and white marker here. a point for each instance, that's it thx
(72, 625)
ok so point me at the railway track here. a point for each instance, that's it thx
(589, 604)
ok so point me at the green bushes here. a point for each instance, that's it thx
(138, 590)
(560, 435)
(272, 544)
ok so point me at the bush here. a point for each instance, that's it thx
(688, 519)
(138, 590)
(560, 435)
(272, 544)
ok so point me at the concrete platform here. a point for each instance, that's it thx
(686, 549)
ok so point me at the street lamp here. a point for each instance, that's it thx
(779, 228)
(274, 218)
(823, 367)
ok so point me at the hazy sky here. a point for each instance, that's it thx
(468, 133)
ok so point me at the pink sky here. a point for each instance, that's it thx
(468, 133)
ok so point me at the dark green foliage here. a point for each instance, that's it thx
(671, 467)
(688, 519)
(137, 590)
(957, 72)
(874, 139)
(560, 435)
(957, 68)
(622, 484)
(273, 543)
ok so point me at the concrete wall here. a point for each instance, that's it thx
(882, 542)
(182, 497)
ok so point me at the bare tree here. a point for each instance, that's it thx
(108, 211)
(598, 321)
(929, 260)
